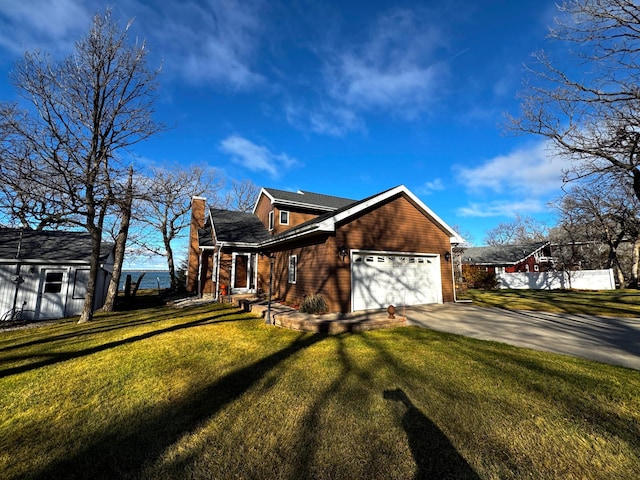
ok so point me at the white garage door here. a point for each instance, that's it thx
(380, 279)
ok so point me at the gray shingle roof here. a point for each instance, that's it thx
(309, 199)
(236, 227)
(50, 246)
(500, 254)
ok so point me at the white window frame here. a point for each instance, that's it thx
(280, 217)
(271, 220)
(293, 269)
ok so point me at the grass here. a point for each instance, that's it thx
(209, 392)
(616, 303)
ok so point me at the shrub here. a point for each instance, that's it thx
(478, 277)
(314, 304)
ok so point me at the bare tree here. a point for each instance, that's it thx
(165, 201)
(242, 196)
(124, 202)
(588, 103)
(84, 109)
(520, 230)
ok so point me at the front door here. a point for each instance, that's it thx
(243, 274)
(52, 293)
(240, 280)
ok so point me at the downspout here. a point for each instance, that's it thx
(453, 274)
(200, 274)
(217, 271)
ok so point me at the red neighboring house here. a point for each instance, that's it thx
(386, 249)
(524, 257)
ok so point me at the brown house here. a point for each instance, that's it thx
(387, 249)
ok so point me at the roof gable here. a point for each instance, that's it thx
(48, 246)
(328, 221)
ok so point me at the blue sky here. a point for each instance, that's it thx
(342, 98)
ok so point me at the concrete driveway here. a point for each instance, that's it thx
(606, 339)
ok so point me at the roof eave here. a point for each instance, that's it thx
(309, 206)
(285, 238)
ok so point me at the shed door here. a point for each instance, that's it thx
(382, 279)
(53, 292)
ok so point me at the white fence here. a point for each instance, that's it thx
(579, 279)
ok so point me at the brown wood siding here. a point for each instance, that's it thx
(295, 219)
(397, 225)
(224, 274)
(296, 216)
(263, 207)
(263, 274)
(320, 271)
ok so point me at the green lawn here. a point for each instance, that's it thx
(208, 392)
(621, 303)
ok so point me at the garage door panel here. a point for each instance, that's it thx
(379, 280)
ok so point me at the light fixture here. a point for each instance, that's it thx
(447, 256)
(343, 252)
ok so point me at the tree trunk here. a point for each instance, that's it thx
(171, 265)
(635, 260)
(94, 265)
(614, 263)
(121, 242)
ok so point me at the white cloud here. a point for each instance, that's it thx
(435, 185)
(208, 42)
(394, 70)
(325, 120)
(255, 157)
(501, 208)
(532, 171)
(42, 24)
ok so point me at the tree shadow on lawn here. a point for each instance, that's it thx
(576, 393)
(110, 322)
(56, 357)
(138, 442)
(572, 301)
(434, 455)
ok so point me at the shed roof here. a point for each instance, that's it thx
(498, 255)
(48, 246)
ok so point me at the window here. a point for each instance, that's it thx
(271, 220)
(53, 282)
(284, 217)
(293, 268)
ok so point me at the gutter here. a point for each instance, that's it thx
(284, 237)
(309, 206)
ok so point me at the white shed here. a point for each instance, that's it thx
(45, 273)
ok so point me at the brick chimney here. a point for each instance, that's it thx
(198, 205)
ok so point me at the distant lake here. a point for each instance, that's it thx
(151, 278)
